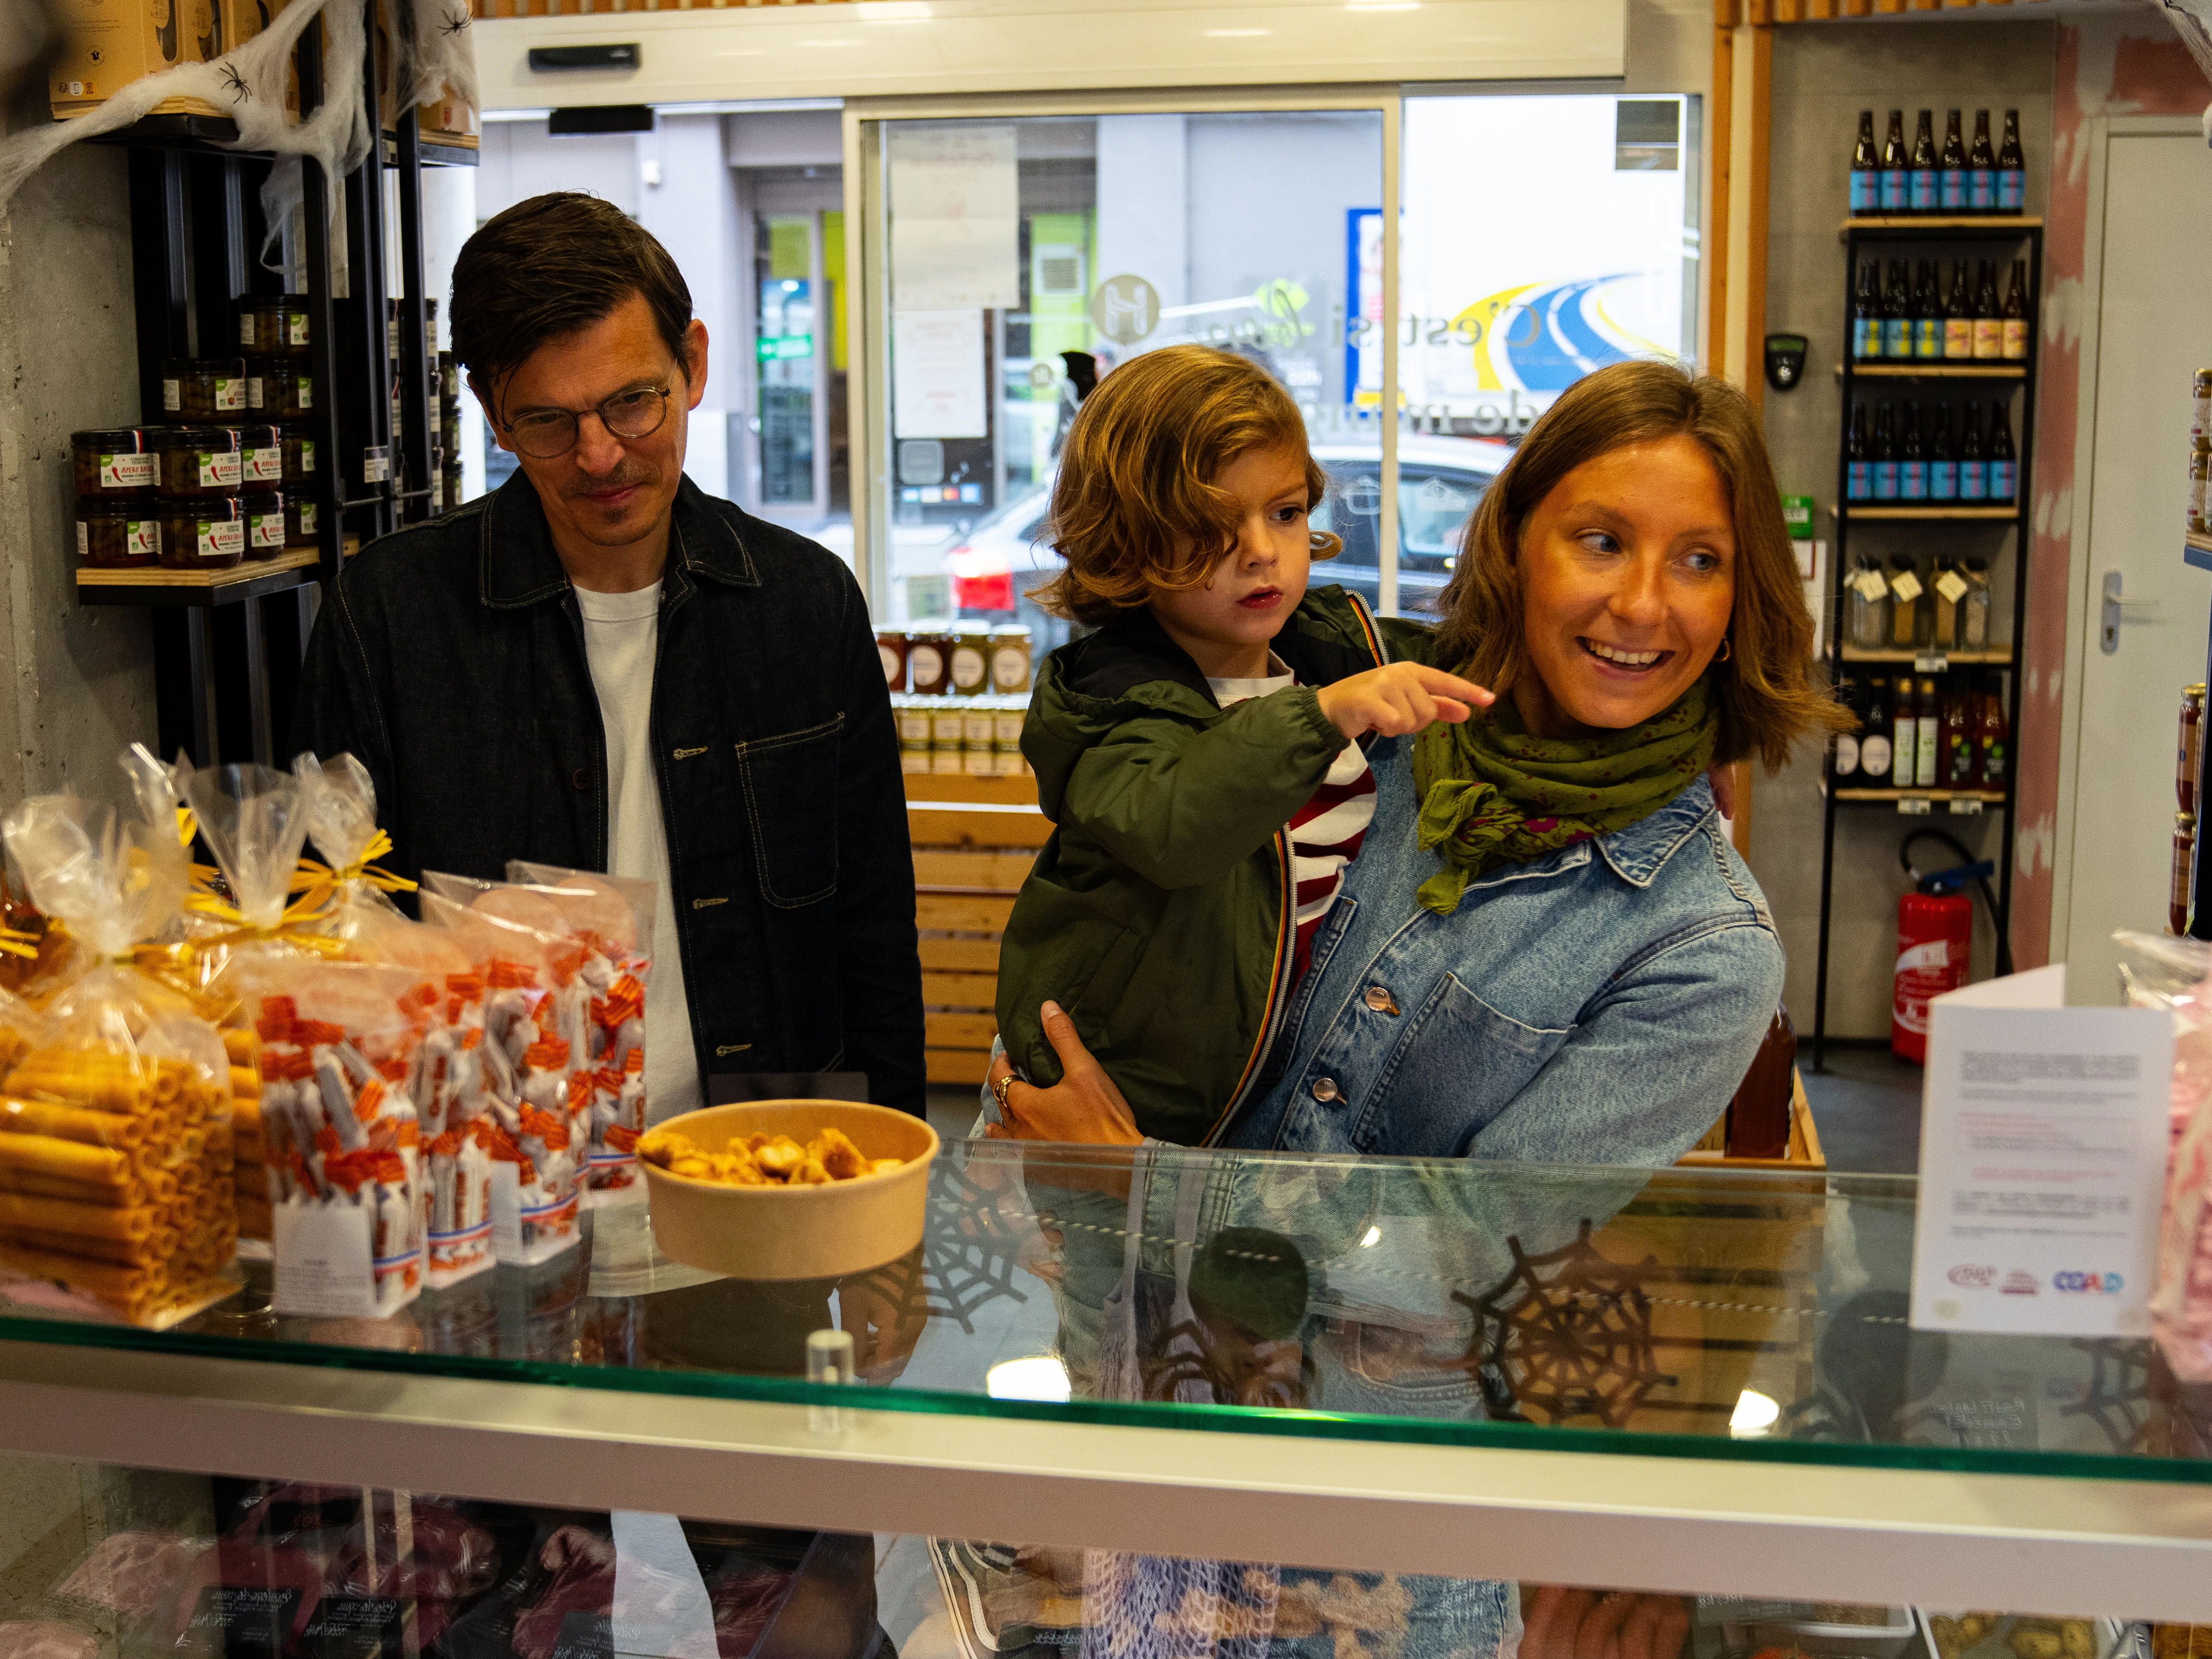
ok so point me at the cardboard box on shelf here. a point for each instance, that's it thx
(107, 43)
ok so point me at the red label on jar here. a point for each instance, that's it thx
(143, 538)
(265, 465)
(267, 529)
(134, 472)
(224, 538)
(220, 469)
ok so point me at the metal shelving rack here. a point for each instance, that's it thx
(227, 651)
(1859, 237)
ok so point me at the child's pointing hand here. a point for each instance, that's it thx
(1399, 698)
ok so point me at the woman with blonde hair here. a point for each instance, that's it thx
(1548, 950)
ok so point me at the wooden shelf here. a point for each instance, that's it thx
(2197, 550)
(1998, 655)
(1936, 370)
(1988, 223)
(1983, 514)
(296, 567)
(1985, 797)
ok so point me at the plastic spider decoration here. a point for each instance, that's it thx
(455, 23)
(235, 82)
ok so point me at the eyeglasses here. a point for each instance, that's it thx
(544, 434)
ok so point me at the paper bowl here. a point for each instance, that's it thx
(794, 1232)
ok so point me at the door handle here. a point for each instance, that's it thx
(2116, 609)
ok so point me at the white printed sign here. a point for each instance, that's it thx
(956, 217)
(323, 1265)
(937, 374)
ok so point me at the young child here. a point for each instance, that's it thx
(1197, 754)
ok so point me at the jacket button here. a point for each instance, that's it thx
(582, 780)
(1325, 1088)
(1379, 999)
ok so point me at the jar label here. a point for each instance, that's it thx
(306, 454)
(245, 329)
(143, 538)
(229, 394)
(894, 665)
(1010, 668)
(267, 529)
(948, 729)
(133, 471)
(1951, 585)
(966, 666)
(220, 469)
(83, 539)
(265, 465)
(254, 399)
(306, 392)
(928, 665)
(1006, 728)
(2015, 337)
(307, 518)
(978, 728)
(172, 396)
(375, 466)
(912, 726)
(295, 328)
(223, 539)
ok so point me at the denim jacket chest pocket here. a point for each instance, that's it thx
(1464, 1056)
(790, 784)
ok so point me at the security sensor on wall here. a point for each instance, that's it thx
(1785, 360)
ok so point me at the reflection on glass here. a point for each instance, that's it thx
(784, 344)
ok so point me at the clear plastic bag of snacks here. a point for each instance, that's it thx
(118, 1143)
(612, 916)
(2157, 971)
(339, 801)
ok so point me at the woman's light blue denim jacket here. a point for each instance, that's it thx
(1597, 1006)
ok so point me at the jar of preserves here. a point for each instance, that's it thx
(2188, 747)
(1010, 658)
(257, 322)
(948, 736)
(201, 532)
(298, 443)
(261, 457)
(119, 463)
(891, 646)
(202, 389)
(288, 390)
(118, 534)
(280, 326)
(1006, 722)
(265, 529)
(929, 658)
(198, 460)
(971, 659)
(301, 516)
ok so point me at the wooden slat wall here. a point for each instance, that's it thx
(974, 841)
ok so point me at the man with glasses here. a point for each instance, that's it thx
(603, 667)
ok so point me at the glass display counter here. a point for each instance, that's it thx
(1127, 1405)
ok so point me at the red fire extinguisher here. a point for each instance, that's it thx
(1935, 941)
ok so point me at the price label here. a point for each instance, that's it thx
(1967, 807)
(1914, 806)
(1951, 584)
(1905, 586)
(1931, 662)
(1869, 585)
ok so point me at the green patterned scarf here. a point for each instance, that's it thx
(1492, 795)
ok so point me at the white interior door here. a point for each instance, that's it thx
(2152, 329)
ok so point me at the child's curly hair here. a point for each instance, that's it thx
(1134, 513)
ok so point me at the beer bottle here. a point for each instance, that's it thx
(1858, 465)
(1876, 760)
(2002, 468)
(1920, 190)
(1927, 314)
(1885, 455)
(1904, 736)
(1943, 460)
(1926, 752)
(1951, 165)
(1993, 734)
(1846, 768)
(1958, 317)
(1911, 460)
(1981, 168)
(1989, 326)
(1973, 479)
(2012, 168)
(1896, 161)
(1866, 315)
(1866, 169)
(2014, 341)
(1897, 312)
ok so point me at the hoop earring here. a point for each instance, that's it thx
(1725, 651)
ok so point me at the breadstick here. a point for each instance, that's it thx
(57, 1215)
(99, 1083)
(34, 1117)
(130, 1287)
(105, 1166)
(245, 1083)
(23, 1181)
(160, 1246)
(241, 1047)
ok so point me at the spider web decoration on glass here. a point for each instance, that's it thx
(969, 1260)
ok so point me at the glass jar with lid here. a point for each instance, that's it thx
(198, 460)
(302, 516)
(298, 442)
(201, 532)
(202, 389)
(971, 659)
(929, 658)
(265, 527)
(273, 326)
(890, 647)
(261, 457)
(118, 464)
(1010, 658)
(118, 534)
(288, 389)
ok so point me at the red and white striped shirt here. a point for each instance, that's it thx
(1325, 832)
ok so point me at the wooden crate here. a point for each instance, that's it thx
(974, 841)
(1804, 1153)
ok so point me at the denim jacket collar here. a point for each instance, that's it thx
(1638, 853)
(519, 566)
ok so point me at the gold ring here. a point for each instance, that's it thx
(1000, 1088)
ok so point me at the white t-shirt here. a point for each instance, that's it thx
(622, 639)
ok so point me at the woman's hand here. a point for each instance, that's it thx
(1400, 697)
(1581, 1624)
(1084, 1106)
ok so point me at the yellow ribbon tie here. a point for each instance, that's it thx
(321, 881)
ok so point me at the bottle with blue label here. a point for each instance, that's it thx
(1911, 460)
(1897, 312)
(1866, 169)
(1866, 315)
(1981, 168)
(1885, 455)
(1943, 459)
(1920, 186)
(2003, 468)
(1974, 480)
(1896, 163)
(1858, 465)
(2012, 168)
(1951, 170)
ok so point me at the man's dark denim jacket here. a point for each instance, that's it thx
(449, 658)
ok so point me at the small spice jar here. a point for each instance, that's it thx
(279, 326)
(971, 660)
(298, 443)
(1010, 658)
(198, 460)
(202, 389)
(261, 457)
(265, 528)
(929, 658)
(117, 464)
(288, 390)
(201, 532)
(301, 516)
(891, 646)
(118, 534)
